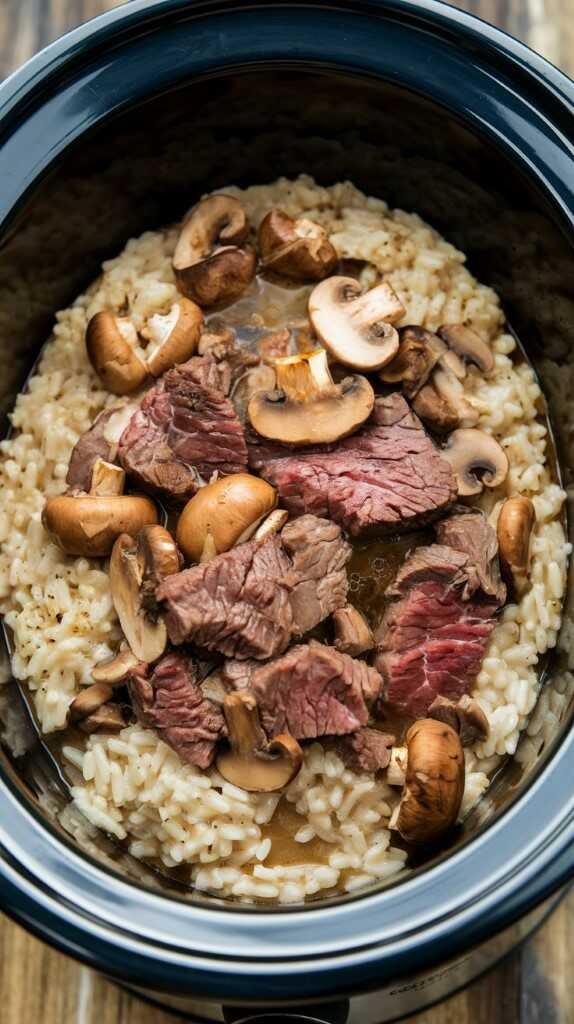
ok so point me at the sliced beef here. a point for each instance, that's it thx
(433, 636)
(185, 430)
(317, 580)
(387, 477)
(367, 750)
(232, 358)
(236, 675)
(91, 446)
(250, 601)
(168, 698)
(469, 532)
(314, 690)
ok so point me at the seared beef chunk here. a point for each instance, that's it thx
(232, 358)
(314, 690)
(236, 604)
(367, 750)
(91, 447)
(387, 477)
(168, 698)
(185, 430)
(432, 639)
(318, 578)
(250, 601)
(353, 635)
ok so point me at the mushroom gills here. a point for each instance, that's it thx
(308, 407)
(136, 567)
(250, 762)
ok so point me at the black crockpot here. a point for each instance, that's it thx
(119, 127)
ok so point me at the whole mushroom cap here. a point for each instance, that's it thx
(298, 249)
(434, 784)
(89, 525)
(222, 514)
(210, 262)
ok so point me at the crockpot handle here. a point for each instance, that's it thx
(330, 1013)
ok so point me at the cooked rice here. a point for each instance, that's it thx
(61, 615)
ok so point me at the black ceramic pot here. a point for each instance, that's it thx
(118, 127)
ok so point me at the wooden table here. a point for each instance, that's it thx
(533, 986)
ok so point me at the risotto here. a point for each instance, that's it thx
(62, 620)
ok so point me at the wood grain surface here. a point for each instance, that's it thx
(535, 985)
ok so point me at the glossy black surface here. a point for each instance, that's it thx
(119, 129)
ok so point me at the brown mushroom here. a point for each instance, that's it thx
(356, 327)
(211, 264)
(115, 670)
(468, 345)
(172, 337)
(136, 568)
(477, 460)
(111, 343)
(465, 716)
(419, 352)
(308, 407)
(434, 782)
(514, 531)
(251, 762)
(88, 525)
(88, 701)
(441, 404)
(108, 718)
(353, 635)
(223, 514)
(298, 249)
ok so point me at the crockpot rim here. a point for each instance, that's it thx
(31, 76)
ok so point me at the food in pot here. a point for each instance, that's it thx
(281, 543)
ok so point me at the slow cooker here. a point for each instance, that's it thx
(118, 127)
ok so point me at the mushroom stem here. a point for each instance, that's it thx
(107, 479)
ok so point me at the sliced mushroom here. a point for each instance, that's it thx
(88, 525)
(441, 404)
(211, 264)
(172, 337)
(223, 514)
(468, 345)
(251, 762)
(108, 718)
(514, 531)
(115, 670)
(107, 479)
(88, 701)
(298, 249)
(136, 567)
(308, 407)
(419, 352)
(111, 343)
(434, 782)
(356, 327)
(465, 716)
(353, 635)
(274, 522)
(477, 460)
